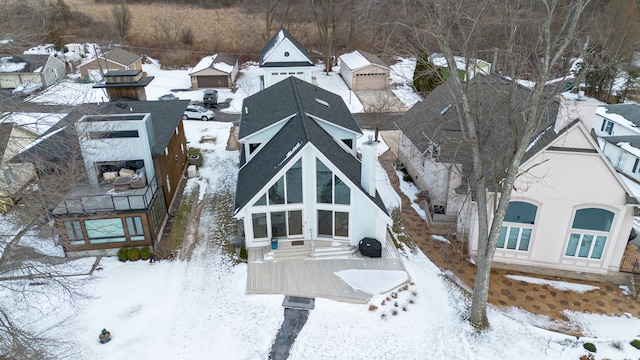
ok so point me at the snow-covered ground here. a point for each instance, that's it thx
(198, 309)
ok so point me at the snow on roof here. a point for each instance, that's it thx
(38, 69)
(279, 39)
(619, 119)
(633, 186)
(204, 63)
(7, 65)
(354, 60)
(37, 123)
(210, 62)
(629, 148)
(45, 49)
(439, 60)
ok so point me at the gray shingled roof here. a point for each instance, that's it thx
(272, 42)
(290, 96)
(57, 143)
(633, 140)
(295, 134)
(630, 112)
(33, 62)
(435, 120)
(373, 58)
(121, 56)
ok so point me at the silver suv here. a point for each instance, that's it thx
(210, 97)
(197, 112)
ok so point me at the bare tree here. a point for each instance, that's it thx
(530, 39)
(121, 17)
(327, 15)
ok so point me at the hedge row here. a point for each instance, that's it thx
(134, 254)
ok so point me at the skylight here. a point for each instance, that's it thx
(444, 111)
(320, 101)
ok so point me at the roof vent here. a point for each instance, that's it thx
(121, 105)
(246, 110)
(444, 111)
(320, 101)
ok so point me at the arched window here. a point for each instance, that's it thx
(517, 226)
(589, 232)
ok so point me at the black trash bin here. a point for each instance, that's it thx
(370, 247)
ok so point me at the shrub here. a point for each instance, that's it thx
(617, 344)
(145, 253)
(122, 254)
(373, 307)
(407, 178)
(590, 347)
(587, 357)
(243, 252)
(635, 343)
(133, 254)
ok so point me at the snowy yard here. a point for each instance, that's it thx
(198, 309)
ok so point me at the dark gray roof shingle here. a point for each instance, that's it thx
(298, 131)
(435, 120)
(121, 56)
(630, 112)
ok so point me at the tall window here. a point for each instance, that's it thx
(134, 228)
(517, 227)
(287, 190)
(101, 231)
(333, 223)
(330, 189)
(589, 232)
(259, 225)
(607, 126)
(74, 232)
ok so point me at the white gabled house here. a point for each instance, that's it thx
(284, 56)
(300, 180)
(569, 210)
(617, 120)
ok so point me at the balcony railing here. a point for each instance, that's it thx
(111, 200)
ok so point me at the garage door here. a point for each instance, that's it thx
(213, 81)
(370, 81)
(279, 76)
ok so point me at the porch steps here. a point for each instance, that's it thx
(335, 251)
(304, 252)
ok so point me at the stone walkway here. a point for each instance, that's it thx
(296, 313)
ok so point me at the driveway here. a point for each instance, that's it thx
(380, 101)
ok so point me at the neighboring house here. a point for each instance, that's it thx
(284, 56)
(17, 132)
(363, 71)
(617, 120)
(300, 180)
(559, 216)
(42, 70)
(116, 59)
(474, 65)
(215, 71)
(134, 155)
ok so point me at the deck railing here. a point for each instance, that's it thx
(126, 201)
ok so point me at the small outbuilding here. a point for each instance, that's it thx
(116, 59)
(33, 70)
(364, 71)
(215, 71)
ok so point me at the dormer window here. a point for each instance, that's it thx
(253, 147)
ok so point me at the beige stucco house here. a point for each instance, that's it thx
(569, 210)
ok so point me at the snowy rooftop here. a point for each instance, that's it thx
(210, 62)
(37, 123)
(9, 64)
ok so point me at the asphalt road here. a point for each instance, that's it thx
(367, 121)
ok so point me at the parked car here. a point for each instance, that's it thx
(210, 97)
(168, 97)
(197, 112)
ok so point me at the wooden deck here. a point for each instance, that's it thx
(311, 277)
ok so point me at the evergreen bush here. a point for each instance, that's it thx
(635, 343)
(145, 253)
(243, 252)
(122, 254)
(590, 347)
(407, 178)
(133, 254)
